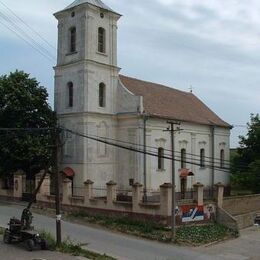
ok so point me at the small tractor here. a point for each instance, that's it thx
(21, 230)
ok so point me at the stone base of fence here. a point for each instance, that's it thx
(136, 204)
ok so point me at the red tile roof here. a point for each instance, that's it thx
(165, 102)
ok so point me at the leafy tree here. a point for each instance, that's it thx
(246, 164)
(23, 104)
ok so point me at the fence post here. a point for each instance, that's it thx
(137, 196)
(88, 193)
(66, 191)
(198, 194)
(166, 199)
(219, 194)
(18, 185)
(111, 193)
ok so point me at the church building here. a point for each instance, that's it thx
(94, 100)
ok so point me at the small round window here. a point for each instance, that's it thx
(102, 15)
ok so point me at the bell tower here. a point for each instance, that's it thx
(86, 81)
(87, 58)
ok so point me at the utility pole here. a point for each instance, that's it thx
(57, 184)
(171, 129)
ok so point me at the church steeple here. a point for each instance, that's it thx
(86, 73)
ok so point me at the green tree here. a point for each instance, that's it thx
(23, 104)
(246, 164)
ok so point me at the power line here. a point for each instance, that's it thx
(18, 35)
(152, 147)
(139, 150)
(27, 25)
(104, 140)
(21, 31)
(26, 35)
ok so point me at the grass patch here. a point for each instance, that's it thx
(75, 249)
(126, 225)
(188, 235)
(203, 234)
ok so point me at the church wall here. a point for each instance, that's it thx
(88, 158)
(64, 75)
(193, 137)
(66, 22)
(129, 162)
(126, 101)
(222, 141)
(109, 23)
(96, 74)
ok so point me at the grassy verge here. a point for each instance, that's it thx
(194, 235)
(68, 247)
(203, 234)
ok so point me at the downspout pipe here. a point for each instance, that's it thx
(213, 156)
(145, 118)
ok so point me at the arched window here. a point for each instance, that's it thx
(102, 95)
(160, 158)
(73, 37)
(70, 94)
(222, 158)
(183, 158)
(101, 40)
(202, 158)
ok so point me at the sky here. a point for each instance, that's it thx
(212, 46)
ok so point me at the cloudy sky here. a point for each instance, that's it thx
(211, 45)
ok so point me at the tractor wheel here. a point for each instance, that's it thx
(30, 244)
(7, 238)
(44, 245)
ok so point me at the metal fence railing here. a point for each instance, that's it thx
(124, 195)
(187, 195)
(151, 196)
(208, 194)
(77, 191)
(99, 192)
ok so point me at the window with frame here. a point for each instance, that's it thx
(70, 94)
(222, 158)
(202, 158)
(101, 40)
(160, 158)
(183, 158)
(102, 95)
(73, 37)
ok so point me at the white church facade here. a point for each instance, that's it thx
(94, 100)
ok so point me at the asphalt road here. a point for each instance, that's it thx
(120, 246)
(117, 245)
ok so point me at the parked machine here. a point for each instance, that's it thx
(21, 230)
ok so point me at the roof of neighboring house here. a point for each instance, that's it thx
(97, 3)
(166, 102)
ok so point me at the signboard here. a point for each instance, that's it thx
(192, 213)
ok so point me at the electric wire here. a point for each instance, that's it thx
(26, 35)
(27, 25)
(104, 140)
(18, 35)
(130, 148)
